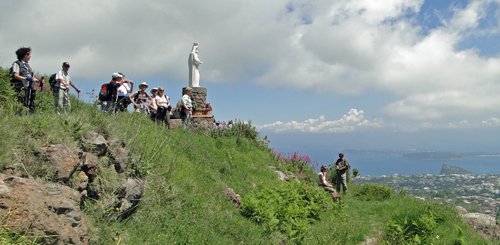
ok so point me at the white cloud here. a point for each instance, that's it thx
(353, 120)
(345, 46)
(492, 122)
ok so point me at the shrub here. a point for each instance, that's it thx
(289, 208)
(373, 192)
(412, 228)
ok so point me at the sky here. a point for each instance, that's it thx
(346, 74)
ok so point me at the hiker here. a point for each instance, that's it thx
(23, 79)
(342, 167)
(61, 89)
(124, 91)
(141, 99)
(164, 107)
(322, 180)
(111, 90)
(153, 108)
(187, 107)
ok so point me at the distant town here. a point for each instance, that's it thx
(476, 193)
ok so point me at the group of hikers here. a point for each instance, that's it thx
(114, 96)
(341, 168)
(118, 94)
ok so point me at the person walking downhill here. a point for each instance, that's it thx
(342, 167)
(23, 79)
(164, 107)
(61, 89)
(187, 107)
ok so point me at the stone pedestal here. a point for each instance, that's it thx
(202, 113)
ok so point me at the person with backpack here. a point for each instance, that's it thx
(61, 89)
(110, 96)
(23, 79)
(141, 99)
(164, 107)
(124, 91)
(342, 167)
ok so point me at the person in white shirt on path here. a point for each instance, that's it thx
(63, 83)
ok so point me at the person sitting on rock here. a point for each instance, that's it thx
(327, 186)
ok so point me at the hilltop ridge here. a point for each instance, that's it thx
(186, 174)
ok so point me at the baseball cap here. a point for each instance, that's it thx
(116, 75)
(65, 64)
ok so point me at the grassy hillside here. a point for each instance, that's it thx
(186, 173)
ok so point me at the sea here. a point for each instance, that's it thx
(379, 163)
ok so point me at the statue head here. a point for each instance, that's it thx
(195, 47)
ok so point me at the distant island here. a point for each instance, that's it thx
(433, 155)
(451, 169)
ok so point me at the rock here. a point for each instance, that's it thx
(282, 175)
(51, 211)
(451, 169)
(482, 223)
(461, 210)
(81, 182)
(233, 197)
(119, 155)
(95, 143)
(90, 165)
(64, 160)
(129, 196)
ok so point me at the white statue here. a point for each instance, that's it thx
(193, 63)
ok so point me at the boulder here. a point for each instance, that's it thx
(129, 197)
(233, 197)
(64, 160)
(483, 223)
(282, 175)
(119, 155)
(81, 181)
(95, 143)
(90, 165)
(50, 212)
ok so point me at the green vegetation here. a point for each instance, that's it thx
(186, 173)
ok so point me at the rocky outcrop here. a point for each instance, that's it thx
(49, 211)
(64, 160)
(484, 224)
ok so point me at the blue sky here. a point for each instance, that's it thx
(386, 74)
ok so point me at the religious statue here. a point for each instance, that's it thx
(193, 63)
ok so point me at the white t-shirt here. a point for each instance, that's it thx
(124, 90)
(63, 76)
(186, 101)
(162, 101)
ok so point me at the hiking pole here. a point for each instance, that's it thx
(78, 100)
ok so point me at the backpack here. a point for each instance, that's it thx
(52, 81)
(103, 93)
